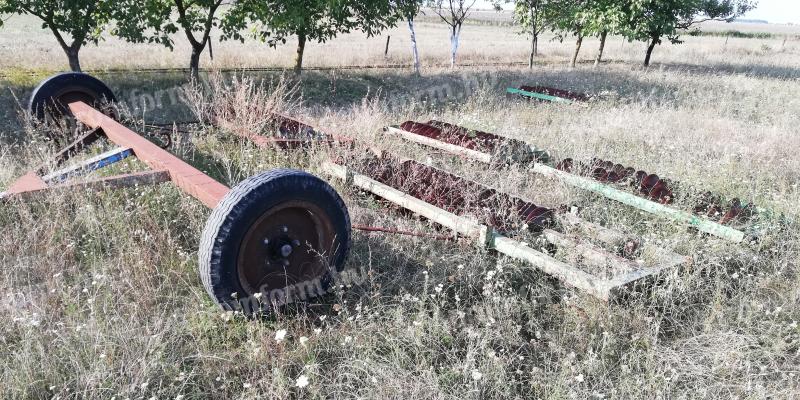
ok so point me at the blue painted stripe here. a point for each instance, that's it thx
(99, 164)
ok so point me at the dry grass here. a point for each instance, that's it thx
(35, 49)
(101, 296)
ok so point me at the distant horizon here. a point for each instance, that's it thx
(772, 11)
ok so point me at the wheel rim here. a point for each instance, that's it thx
(290, 244)
(56, 109)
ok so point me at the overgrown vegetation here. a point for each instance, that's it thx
(102, 297)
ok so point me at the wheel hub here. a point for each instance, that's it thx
(288, 245)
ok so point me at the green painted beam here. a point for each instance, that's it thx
(643, 204)
(633, 200)
(539, 96)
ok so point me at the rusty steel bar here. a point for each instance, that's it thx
(189, 179)
(74, 148)
(455, 194)
(464, 226)
(451, 148)
(366, 228)
(564, 94)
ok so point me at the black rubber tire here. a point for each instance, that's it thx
(237, 212)
(48, 93)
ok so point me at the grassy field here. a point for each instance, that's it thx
(100, 295)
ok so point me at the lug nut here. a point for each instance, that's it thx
(286, 250)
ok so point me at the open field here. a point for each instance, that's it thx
(101, 297)
(34, 49)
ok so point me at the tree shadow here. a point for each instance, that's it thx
(751, 70)
(158, 97)
(457, 87)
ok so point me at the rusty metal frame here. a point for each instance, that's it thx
(605, 288)
(652, 207)
(285, 143)
(164, 166)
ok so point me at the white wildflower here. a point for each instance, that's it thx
(476, 375)
(302, 381)
(280, 335)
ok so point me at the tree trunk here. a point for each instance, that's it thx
(414, 51)
(533, 51)
(74, 60)
(650, 47)
(578, 44)
(533, 35)
(301, 48)
(599, 58)
(454, 36)
(70, 50)
(194, 63)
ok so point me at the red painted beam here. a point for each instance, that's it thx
(189, 179)
(111, 182)
(28, 183)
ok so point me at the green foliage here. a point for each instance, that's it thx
(531, 15)
(598, 16)
(585, 17)
(83, 20)
(650, 20)
(155, 21)
(317, 20)
(408, 9)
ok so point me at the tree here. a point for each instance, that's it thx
(583, 18)
(567, 17)
(408, 10)
(272, 21)
(155, 21)
(651, 20)
(571, 17)
(601, 18)
(453, 13)
(80, 21)
(530, 15)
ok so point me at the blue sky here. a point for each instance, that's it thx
(776, 11)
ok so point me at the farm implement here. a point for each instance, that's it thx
(543, 93)
(604, 264)
(280, 234)
(635, 188)
(284, 234)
